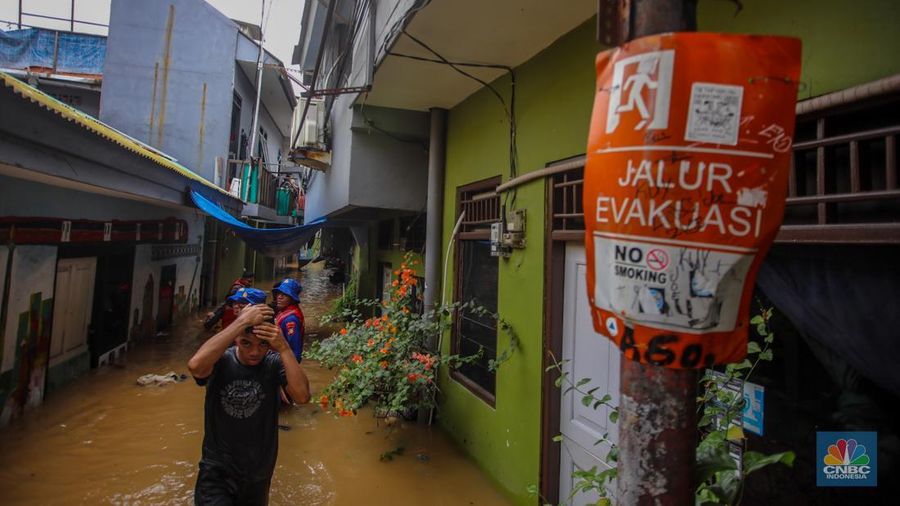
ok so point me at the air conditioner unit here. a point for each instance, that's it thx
(311, 134)
(311, 150)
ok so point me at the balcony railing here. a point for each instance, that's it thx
(257, 184)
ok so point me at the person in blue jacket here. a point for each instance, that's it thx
(289, 316)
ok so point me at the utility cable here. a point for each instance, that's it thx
(510, 197)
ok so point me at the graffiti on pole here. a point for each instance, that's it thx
(685, 183)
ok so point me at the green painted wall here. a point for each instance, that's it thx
(264, 268)
(845, 43)
(395, 256)
(364, 266)
(231, 262)
(371, 277)
(554, 97)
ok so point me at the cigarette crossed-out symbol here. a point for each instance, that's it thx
(657, 259)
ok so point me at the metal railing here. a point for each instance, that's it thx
(843, 182)
(258, 184)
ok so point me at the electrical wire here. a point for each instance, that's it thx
(510, 197)
(400, 24)
(371, 124)
(356, 21)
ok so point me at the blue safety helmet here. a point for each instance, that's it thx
(289, 287)
(249, 296)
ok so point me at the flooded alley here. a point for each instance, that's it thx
(105, 440)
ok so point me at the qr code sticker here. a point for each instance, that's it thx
(715, 113)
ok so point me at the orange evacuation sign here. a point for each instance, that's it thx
(684, 190)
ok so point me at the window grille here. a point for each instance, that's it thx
(843, 182)
(481, 205)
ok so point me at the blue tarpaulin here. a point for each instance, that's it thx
(271, 242)
(74, 53)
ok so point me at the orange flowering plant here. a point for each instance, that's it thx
(384, 359)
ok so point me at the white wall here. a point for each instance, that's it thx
(329, 191)
(243, 85)
(27, 198)
(144, 267)
(33, 270)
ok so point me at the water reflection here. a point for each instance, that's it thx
(105, 440)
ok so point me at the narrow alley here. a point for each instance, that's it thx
(614, 252)
(105, 440)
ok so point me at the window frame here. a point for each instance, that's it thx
(467, 234)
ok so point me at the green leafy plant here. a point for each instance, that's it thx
(384, 360)
(347, 302)
(721, 480)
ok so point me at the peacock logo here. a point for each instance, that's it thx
(847, 459)
(846, 452)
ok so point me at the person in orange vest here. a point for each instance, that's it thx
(289, 316)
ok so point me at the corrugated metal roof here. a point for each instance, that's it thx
(101, 129)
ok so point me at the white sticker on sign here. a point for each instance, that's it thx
(676, 286)
(714, 114)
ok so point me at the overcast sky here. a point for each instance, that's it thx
(281, 33)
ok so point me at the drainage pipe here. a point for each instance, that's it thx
(431, 345)
(434, 205)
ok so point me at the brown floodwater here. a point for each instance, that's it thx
(105, 440)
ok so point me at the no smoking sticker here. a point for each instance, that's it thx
(657, 259)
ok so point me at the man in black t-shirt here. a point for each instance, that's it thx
(240, 441)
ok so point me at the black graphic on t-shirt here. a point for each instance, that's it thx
(241, 416)
(241, 398)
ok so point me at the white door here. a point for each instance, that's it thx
(72, 304)
(586, 354)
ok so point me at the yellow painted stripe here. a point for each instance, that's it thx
(102, 129)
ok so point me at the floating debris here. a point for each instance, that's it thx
(389, 455)
(161, 379)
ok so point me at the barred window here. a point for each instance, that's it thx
(476, 281)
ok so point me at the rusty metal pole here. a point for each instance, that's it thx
(657, 406)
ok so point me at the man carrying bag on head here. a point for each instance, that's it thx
(240, 442)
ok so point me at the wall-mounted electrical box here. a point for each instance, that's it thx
(508, 234)
(497, 249)
(514, 235)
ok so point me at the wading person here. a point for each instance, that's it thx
(289, 316)
(225, 312)
(240, 440)
(246, 297)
